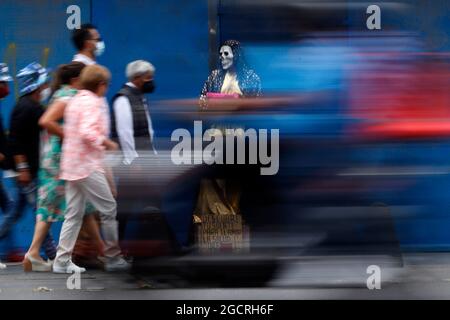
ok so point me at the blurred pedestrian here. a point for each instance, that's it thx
(131, 122)
(51, 197)
(24, 142)
(82, 167)
(89, 44)
(132, 127)
(6, 203)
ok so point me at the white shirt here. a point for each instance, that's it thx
(124, 127)
(83, 59)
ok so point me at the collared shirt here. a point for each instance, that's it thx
(89, 62)
(85, 130)
(83, 59)
(124, 125)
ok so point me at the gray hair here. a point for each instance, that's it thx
(138, 68)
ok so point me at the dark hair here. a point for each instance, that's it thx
(65, 73)
(80, 36)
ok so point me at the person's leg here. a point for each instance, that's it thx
(49, 246)
(41, 231)
(122, 175)
(123, 209)
(92, 228)
(75, 201)
(13, 215)
(98, 192)
(7, 206)
(6, 202)
(33, 261)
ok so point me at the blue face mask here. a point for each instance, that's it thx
(100, 48)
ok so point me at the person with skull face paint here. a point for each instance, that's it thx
(24, 143)
(6, 203)
(232, 79)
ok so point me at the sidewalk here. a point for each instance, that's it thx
(423, 276)
(15, 284)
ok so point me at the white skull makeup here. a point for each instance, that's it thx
(226, 57)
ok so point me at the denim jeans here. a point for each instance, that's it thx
(14, 211)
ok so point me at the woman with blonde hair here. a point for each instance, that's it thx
(51, 203)
(86, 131)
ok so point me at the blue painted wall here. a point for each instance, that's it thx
(29, 28)
(173, 35)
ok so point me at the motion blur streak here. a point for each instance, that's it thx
(364, 130)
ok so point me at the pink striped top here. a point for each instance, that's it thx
(85, 130)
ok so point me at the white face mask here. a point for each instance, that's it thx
(100, 48)
(226, 57)
(45, 95)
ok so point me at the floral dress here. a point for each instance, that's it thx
(51, 196)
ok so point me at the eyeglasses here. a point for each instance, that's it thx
(97, 39)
